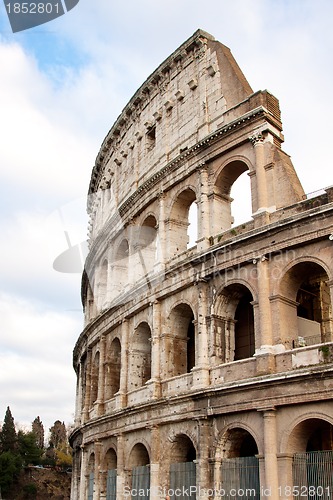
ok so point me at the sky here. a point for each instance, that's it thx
(62, 85)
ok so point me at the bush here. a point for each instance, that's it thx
(30, 490)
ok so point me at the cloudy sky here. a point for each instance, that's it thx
(62, 85)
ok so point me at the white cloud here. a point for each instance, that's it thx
(55, 112)
(36, 375)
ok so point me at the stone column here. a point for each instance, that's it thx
(201, 369)
(270, 453)
(83, 476)
(121, 471)
(121, 397)
(155, 462)
(265, 353)
(79, 388)
(202, 465)
(97, 479)
(265, 323)
(85, 416)
(155, 351)
(257, 140)
(204, 212)
(101, 376)
(161, 248)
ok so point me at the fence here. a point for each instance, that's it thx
(313, 475)
(240, 477)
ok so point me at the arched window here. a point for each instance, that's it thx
(182, 466)
(120, 269)
(140, 472)
(224, 206)
(112, 374)
(239, 463)
(179, 223)
(94, 379)
(110, 483)
(308, 314)
(182, 357)
(234, 323)
(140, 356)
(312, 445)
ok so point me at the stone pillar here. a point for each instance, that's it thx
(101, 376)
(97, 479)
(155, 462)
(257, 140)
(204, 212)
(202, 462)
(83, 476)
(285, 464)
(121, 397)
(201, 369)
(121, 471)
(161, 245)
(265, 322)
(79, 388)
(155, 350)
(270, 453)
(85, 416)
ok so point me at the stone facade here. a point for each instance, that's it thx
(198, 364)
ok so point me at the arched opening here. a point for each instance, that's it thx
(183, 467)
(120, 269)
(192, 230)
(91, 476)
(145, 248)
(308, 314)
(112, 373)
(140, 471)
(241, 201)
(110, 465)
(234, 324)
(102, 285)
(312, 444)
(94, 380)
(182, 355)
(222, 200)
(240, 464)
(179, 223)
(140, 356)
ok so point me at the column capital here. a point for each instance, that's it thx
(257, 138)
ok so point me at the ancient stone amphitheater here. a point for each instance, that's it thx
(205, 366)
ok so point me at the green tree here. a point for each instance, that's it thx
(58, 435)
(38, 430)
(8, 437)
(28, 449)
(10, 466)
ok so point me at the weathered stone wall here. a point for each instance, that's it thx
(218, 350)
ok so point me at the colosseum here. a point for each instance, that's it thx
(204, 369)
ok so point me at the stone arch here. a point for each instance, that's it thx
(183, 455)
(237, 440)
(109, 478)
(305, 304)
(225, 178)
(94, 378)
(181, 346)
(103, 283)
(120, 267)
(309, 431)
(236, 461)
(182, 448)
(233, 322)
(140, 356)
(90, 475)
(178, 222)
(113, 369)
(139, 463)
